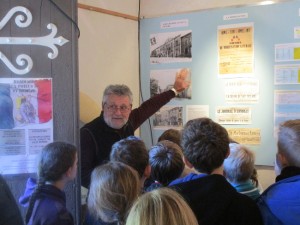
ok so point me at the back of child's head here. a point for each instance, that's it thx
(162, 206)
(114, 187)
(239, 165)
(166, 162)
(171, 135)
(205, 144)
(133, 152)
(289, 142)
(55, 159)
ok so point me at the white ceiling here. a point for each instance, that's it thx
(156, 8)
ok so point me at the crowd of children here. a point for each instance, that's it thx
(199, 177)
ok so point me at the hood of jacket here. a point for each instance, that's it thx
(30, 187)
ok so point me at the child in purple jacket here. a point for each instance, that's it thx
(47, 201)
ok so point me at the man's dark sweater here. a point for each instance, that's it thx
(97, 138)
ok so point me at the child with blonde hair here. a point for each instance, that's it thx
(161, 207)
(114, 188)
(238, 169)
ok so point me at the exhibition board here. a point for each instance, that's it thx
(243, 64)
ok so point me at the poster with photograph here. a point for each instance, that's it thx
(286, 107)
(26, 123)
(171, 47)
(163, 80)
(235, 50)
(168, 117)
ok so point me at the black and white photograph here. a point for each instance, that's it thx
(171, 47)
(163, 80)
(168, 117)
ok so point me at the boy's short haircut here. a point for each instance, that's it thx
(166, 162)
(239, 165)
(133, 152)
(171, 135)
(205, 144)
(289, 141)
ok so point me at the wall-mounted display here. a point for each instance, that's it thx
(26, 123)
(287, 74)
(163, 80)
(168, 117)
(171, 47)
(233, 115)
(286, 107)
(243, 91)
(196, 111)
(247, 136)
(235, 50)
(245, 68)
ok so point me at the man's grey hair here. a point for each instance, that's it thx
(117, 89)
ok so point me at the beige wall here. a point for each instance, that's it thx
(129, 7)
(108, 54)
(266, 176)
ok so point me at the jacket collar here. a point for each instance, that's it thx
(287, 172)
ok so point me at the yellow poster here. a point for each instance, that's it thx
(235, 45)
(246, 136)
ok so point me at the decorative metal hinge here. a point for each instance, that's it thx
(24, 60)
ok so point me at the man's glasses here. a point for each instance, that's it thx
(114, 108)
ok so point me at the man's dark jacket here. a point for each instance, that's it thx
(215, 202)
